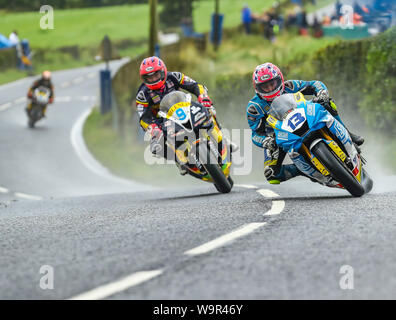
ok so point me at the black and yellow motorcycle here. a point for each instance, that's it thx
(195, 141)
(35, 110)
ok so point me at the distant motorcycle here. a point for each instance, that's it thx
(194, 137)
(318, 144)
(40, 100)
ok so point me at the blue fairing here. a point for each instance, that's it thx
(316, 115)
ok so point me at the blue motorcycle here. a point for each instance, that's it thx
(318, 144)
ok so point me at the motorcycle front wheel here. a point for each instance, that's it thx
(337, 169)
(209, 161)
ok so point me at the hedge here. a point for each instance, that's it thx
(362, 74)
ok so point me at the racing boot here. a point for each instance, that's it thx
(285, 173)
(182, 169)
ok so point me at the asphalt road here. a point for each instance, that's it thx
(94, 236)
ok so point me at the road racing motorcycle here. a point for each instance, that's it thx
(195, 141)
(39, 102)
(318, 144)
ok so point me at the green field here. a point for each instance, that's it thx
(87, 27)
(83, 27)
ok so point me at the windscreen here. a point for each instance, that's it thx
(172, 98)
(282, 105)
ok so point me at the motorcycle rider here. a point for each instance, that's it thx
(44, 81)
(158, 82)
(269, 83)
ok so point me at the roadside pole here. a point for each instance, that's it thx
(217, 20)
(153, 40)
(216, 35)
(105, 78)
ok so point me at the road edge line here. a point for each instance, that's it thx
(89, 161)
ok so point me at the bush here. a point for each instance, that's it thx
(362, 75)
(7, 59)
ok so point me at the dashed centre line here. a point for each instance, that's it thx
(247, 186)
(277, 205)
(5, 106)
(27, 196)
(118, 286)
(19, 100)
(78, 80)
(65, 84)
(225, 239)
(4, 190)
(137, 278)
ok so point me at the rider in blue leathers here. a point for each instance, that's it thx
(269, 83)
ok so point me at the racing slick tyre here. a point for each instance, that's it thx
(209, 161)
(31, 123)
(337, 169)
(230, 181)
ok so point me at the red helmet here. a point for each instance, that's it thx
(153, 73)
(268, 81)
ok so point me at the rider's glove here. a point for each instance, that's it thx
(205, 100)
(322, 97)
(154, 130)
(269, 143)
(212, 110)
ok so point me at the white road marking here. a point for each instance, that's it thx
(78, 80)
(5, 106)
(268, 193)
(19, 100)
(63, 99)
(277, 205)
(78, 143)
(4, 190)
(27, 196)
(247, 186)
(65, 84)
(118, 286)
(91, 75)
(225, 239)
(88, 98)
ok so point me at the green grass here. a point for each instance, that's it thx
(82, 27)
(11, 75)
(319, 4)
(242, 53)
(230, 8)
(54, 61)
